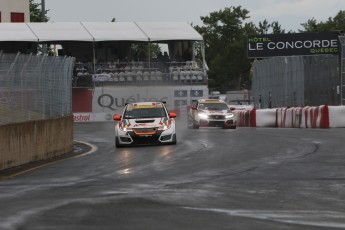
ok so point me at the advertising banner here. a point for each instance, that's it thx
(269, 45)
(81, 100)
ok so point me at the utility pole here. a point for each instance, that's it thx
(43, 9)
(43, 19)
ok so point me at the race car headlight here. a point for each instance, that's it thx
(203, 115)
(164, 127)
(125, 129)
(229, 115)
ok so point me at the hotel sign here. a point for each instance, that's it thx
(292, 44)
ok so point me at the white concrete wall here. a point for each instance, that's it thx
(17, 6)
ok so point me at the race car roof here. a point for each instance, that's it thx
(138, 104)
(98, 31)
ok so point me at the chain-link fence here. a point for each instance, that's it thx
(342, 69)
(34, 87)
(296, 81)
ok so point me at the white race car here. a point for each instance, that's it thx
(144, 123)
(211, 113)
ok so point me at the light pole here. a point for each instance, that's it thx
(43, 9)
(43, 19)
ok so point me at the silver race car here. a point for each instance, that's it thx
(211, 113)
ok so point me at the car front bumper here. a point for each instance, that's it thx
(217, 123)
(159, 137)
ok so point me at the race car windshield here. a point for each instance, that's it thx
(144, 113)
(213, 106)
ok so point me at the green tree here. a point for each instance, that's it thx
(309, 26)
(36, 12)
(337, 23)
(264, 27)
(276, 28)
(224, 33)
(140, 51)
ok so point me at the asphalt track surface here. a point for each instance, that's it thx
(248, 178)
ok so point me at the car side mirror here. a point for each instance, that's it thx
(117, 118)
(172, 115)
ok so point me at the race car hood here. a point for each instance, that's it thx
(145, 122)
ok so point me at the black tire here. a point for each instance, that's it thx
(174, 140)
(195, 126)
(117, 144)
(189, 124)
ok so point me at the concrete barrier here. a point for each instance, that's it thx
(23, 143)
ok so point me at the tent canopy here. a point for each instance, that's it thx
(98, 31)
(115, 31)
(16, 32)
(60, 31)
(167, 31)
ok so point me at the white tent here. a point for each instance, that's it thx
(60, 31)
(73, 34)
(114, 31)
(16, 32)
(98, 31)
(168, 31)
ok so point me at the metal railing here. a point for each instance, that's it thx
(34, 87)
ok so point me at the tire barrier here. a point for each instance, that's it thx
(266, 118)
(246, 118)
(303, 117)
(336, 116)
(321, 117)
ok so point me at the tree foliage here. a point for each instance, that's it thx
(225, 46)
(140, 51)
(336, 23)
(36, 12)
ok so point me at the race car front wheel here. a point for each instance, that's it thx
(117, 143)
(195, 126)
(174, 140)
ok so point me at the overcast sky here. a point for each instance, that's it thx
(289, 13)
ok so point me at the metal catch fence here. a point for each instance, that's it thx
(296, 81)
(34, 87)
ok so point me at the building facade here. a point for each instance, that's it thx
(14, 11)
